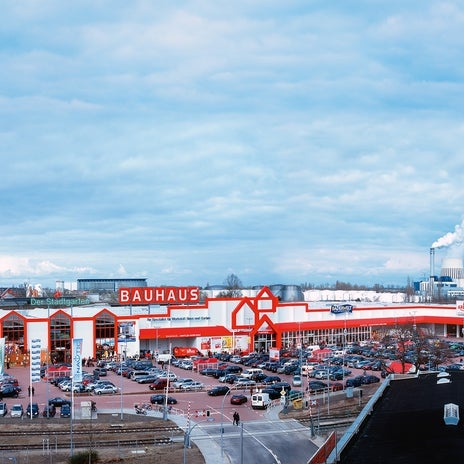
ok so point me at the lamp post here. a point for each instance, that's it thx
(165, 410)
(222, 423)
(121, 386)
(187, 440)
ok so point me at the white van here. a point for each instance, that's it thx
(260, 400)
(248, 373)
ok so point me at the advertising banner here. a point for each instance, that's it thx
(274, 354)
(460, 308)
(2, 355)
(77, 359)
(36, 348)
(126, 331)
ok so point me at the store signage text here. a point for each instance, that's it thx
(159, 295)
(59, 301)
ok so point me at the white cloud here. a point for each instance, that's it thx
(288, 142)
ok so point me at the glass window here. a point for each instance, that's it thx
(104, 335)
(60, 338)
(13, 332)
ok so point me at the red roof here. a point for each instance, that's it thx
(397, 368)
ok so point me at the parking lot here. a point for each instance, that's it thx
(193, 399)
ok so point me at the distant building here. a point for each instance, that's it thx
(110, 285)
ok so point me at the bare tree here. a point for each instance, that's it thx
(233, 285)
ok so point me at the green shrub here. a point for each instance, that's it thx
(83, 457)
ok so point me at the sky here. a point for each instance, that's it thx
(183, 141)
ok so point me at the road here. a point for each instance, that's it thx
(259, 438)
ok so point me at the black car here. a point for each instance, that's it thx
(58, 402)
(279, 386)
(259, 377)
(316, 385)
(271, 379)
(272, 392)
(161, 399)
(9, 390)
(354, 382)
(231, 369)
(218, 391)
(238, 399)
(209, 372)
(368, 379)
(65, 410)
(32, 410)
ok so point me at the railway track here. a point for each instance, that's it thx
(329, 422)
(35, 437)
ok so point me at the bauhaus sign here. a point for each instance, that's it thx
(159, 295)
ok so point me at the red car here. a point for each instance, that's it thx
(238, 399)
(337, 386)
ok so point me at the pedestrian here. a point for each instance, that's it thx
(236, 417)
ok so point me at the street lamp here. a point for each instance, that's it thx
(187, 440)
(121, 387)
(222, 423)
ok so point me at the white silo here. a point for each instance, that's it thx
(452, 267)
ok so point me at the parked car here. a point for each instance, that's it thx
(296, 381)
(3, 409)
(17, 410)
(65, 410)
(354, 382)
(272, 392)
(228, 378)
(192, 386)
(58, 401)
(148, 379)
(336, 386)
(233, 369)
(32, 410)
(159, 384)
(78, 387)
(271, 379)
(245, 383)
(208, 371)
(180, 381)
(9, 391)
(161, 399)
(105, 390)
(49, 411)
(100, 372)
(368, 379)
(238, 399)
(218, 390)
(168, 375)
(279, 386)
(316, 385)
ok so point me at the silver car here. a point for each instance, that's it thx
(17, 410)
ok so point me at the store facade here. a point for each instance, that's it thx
(236, 325)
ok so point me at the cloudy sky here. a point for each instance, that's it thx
(182, 141)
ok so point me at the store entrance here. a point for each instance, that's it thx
(263, 342)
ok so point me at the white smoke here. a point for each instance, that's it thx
(451, 238)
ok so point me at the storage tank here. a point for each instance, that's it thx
(277, 290)
(292, 293)
(452, 267)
